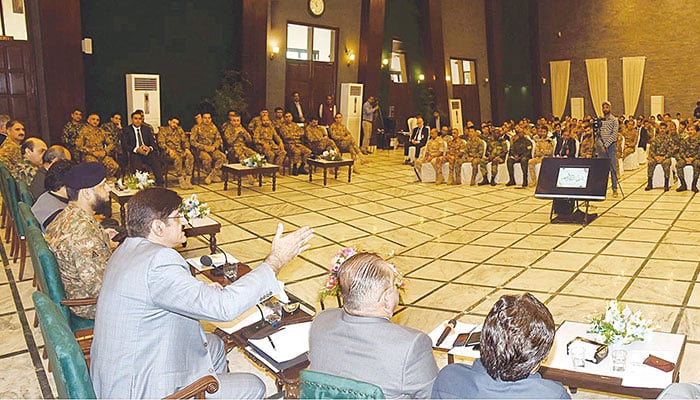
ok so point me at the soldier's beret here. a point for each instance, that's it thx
(85, 175)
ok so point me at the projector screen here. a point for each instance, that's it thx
(573, 178)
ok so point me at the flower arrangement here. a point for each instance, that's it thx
(332, 288)
(331, 155)
(620, 325)
(192, 208)
(256, 160)
(138, 181)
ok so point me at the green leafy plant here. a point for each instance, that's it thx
(229, 96)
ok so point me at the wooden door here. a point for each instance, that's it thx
(400, 97)
(469, 94)
(313, 80)
(18, 95)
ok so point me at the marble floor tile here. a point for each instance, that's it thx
(598, 232)
(498, 239)
(563, 260)
(267, 226)
(484, 307)
(12, 334)
(539, 242)
(516, 257)
(399, 204)
(614, 265)
(649, 224)
(408, 237)
(308, 290)
(372, 208)
(432, 228)
(281, 210)
(343, 214)
(657, 291)
(459, 236)
(434, 250)
(442, 270)
(583, 245)
(472, 253)
(373, 224)
(419, 288)
(483, 226)
(594, 285)
(299, 269)
(420, 318)
(519, 227)
(340, 232)
(489, 275)
(242, 215)
(558, 229)
(321, 256)
(374, 244)
(7, 303)
(642, 235)
(694, 300)
(311, 219)
(317, 204)
(573, 308)
(670, 269)
(539, 280)
(677, 252)
(232, 233)
(663, 317)
(682, 237)
(454, 221)
(407, 219)
(346, 200)
(689, 370)
(18, 379)
(629, 249)
(248, 251)
(454, 297)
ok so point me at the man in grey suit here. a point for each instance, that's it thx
(148, 341)
(360, 342)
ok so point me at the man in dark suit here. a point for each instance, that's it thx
(438, 121)
(566, 145)
(418, 139)
(295, 107)
(138, 141)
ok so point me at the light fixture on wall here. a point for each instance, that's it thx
(448, 78)
(421, 78)
(275, 51)
(385, 62)
(544, 80)
(349, 56)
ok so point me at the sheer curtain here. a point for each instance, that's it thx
(597, 70)
(632, 77)
(559, 74)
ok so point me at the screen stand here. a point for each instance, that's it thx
(569, 211)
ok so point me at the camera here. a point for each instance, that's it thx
(597, 123)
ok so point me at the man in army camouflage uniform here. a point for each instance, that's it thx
(256, 122)
(10, 152)
(587, 143)
(278, 119)
(114, 128)
(688, 153)
(33, 150)
(496, 152)
(207, 140)
(268, 142)
(345, 141)
(456, 149)
(474, 153)
(292, 134)
(176, 147)
(631, 135)
(544, 147)
(71, 130)
(229, 117)
(661, 148)
(520, 152)
(236, 140)
(94, 145)
(434, 151)
(317, 138)
(81, 246)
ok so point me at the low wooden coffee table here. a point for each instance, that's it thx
(329, 164)
(121, 197)
(239, 171)
(204, 226)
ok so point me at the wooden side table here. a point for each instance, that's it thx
(240, 170)
(321, 163)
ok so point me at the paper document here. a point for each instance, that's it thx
(290, 342)
(248, 318)
(461, 327)
(639, 375)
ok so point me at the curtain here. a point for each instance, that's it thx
(632, 77)
(559, 74)
(597, 70)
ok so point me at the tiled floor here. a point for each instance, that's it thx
(462, 247)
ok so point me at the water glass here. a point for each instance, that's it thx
(578, 356)
(230, 271)
(272, 311)
(619, 359)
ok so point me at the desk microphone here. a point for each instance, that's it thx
(206, 261)
(448, 328)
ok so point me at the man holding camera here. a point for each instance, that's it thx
(606, 141)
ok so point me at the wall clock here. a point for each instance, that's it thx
(317, 7)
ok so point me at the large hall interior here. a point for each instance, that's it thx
(460, 247)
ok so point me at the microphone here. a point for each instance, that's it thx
(207, 261)
(448, 328)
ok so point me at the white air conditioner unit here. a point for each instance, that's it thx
(456, 115)
(657, 105)
(351, 107)
(143, 93)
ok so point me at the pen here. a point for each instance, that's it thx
(271, 342)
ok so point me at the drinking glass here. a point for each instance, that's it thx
(578, 356)
(272, 311)
(231, 271)
(619, 359)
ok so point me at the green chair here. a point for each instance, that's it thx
(24, 194)
(26, 219)
(317, 385)
(19, 244)
(70, 372)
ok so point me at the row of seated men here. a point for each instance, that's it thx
(277, 139)
(527, 144)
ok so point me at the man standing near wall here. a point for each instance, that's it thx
(368, 110)
(606, 142)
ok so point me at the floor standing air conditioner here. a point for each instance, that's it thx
(351, 107)
(456, 115)
(143, 93)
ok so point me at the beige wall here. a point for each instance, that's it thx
(665, 31)
(464, 36)
(342, 14)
